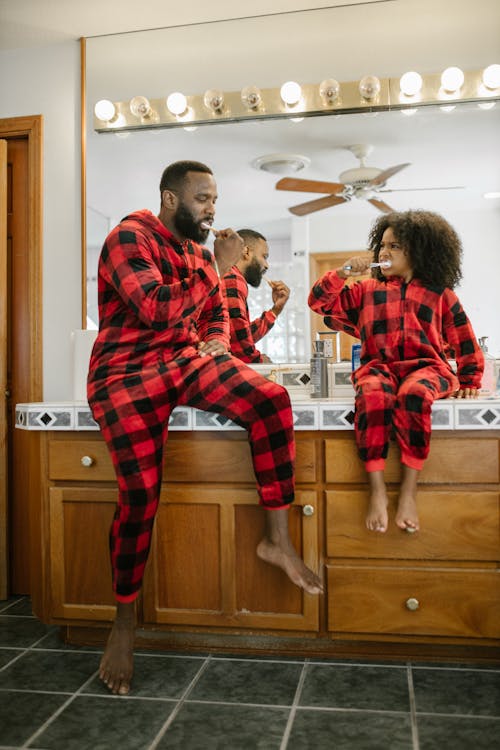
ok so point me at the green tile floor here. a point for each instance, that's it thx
(50, 698)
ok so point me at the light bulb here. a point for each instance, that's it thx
(105, 110)
(251, 97)
(490, 196)
(409, 111)
(140, 106)
(176, 103)
(291, 92)
(491, 77)
(452, 79)
(410, 83)
(214, 100)
(369, 87)
(486, 105)
(329, 90)
(447, 107)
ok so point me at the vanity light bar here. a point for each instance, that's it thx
(370, 94)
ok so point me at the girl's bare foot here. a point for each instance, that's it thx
(376, 517)
(406, 514)
(277, 549)
(116, 667)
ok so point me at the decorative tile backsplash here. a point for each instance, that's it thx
(334, 413)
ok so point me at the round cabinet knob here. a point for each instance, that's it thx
(412, 604)
(86, 461)
(308, 510)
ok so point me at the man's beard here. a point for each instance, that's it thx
(253, 274)
(186, 225)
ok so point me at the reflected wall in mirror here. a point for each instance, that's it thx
(453, 155)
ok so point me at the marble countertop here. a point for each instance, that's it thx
(309, 414)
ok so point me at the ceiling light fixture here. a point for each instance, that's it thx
(281, 163)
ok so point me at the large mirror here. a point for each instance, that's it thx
(453, 155)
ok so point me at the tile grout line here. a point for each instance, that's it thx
(293, 709)
(179, 705)
(413, 709)
(59, 711)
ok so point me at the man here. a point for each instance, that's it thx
(162, 341)
(250, 269)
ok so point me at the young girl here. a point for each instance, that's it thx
(406, 316)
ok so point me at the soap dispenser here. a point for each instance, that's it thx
(488, 384)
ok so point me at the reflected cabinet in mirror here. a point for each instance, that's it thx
(450, 151)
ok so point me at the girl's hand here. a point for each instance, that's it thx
(355, 266)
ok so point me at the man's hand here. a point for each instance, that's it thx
(281, 293)
(212, 347)
(228, 249)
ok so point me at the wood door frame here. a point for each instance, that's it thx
(3, 371)
(31, 129)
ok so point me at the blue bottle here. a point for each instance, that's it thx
(355, 356)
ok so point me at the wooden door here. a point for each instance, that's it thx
(320, 263)
(21, 331)
(3, 370)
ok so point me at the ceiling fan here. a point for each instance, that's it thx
(360, 182)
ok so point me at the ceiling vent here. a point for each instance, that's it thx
(281, 163)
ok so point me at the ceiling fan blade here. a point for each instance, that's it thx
(384, 176)
(309, 186)
(411, 190)
(381, 206)
(316, 205)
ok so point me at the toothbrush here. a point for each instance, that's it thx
(205, 225)
(382, 264)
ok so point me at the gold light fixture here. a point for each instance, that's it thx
(370, 95)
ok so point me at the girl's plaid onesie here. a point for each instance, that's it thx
(404, 329)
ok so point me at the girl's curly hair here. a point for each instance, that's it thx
(433, 247)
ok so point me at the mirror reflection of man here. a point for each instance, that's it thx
(250, 270)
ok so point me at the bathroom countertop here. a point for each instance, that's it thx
(309, 414)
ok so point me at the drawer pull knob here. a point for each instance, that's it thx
(412, 604)
(86, 461)
(308, 510)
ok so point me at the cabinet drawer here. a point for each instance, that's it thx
(455, 525)
(451, 460)
(190, 459)
(68, 459)
(390, 600)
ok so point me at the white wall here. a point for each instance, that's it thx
(46, 81)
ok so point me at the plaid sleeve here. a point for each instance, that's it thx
(337, 302)
(133, 267)
(242, 343)
(262, 325)
(459, 334)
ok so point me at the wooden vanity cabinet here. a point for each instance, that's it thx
(202, 569)
(437, 589)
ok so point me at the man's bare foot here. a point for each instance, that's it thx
(289, 561)
(406, 514)
(277, 549)
(117, 663)
(376, 516)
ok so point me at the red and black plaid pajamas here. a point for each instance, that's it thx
(243, 333)
(157, 299)
(404, 329)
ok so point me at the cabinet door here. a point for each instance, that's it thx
(80, 519)
(203, 568)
